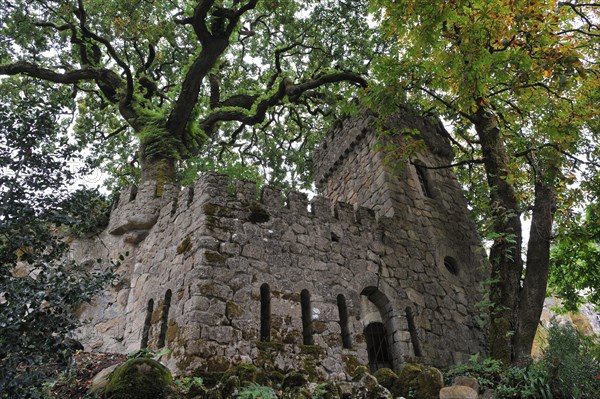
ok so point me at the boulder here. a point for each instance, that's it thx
(467, 382)
(100, 380)
(139, 378)
(366, 386)
(386, 377)
(420, 381)
(458, 392)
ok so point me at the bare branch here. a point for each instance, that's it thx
(558, 149)
(115, 132)
(446, 103)
(60, 28)
(583, 32)
(460, 163)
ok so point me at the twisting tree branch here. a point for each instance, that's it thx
(214, 43)
(285, 89)
(460, 163)
(82, 16)
(69, 77)
(529, 150)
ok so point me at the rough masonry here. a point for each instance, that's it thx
(385, 267)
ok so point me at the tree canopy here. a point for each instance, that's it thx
(222, 77)
(519, 81)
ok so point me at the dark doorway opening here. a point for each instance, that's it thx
(377, 346)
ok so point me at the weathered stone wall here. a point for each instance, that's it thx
(207, 263)
(431, 229)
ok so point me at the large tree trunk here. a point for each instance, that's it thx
(515, 311)
(536, 273)
(158, 168)
(505, 254)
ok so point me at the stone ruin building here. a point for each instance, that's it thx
(384, 268)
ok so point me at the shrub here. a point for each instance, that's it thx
(40, 288)
(487, 372)
(525, 383)
(571, 363)
(255, 391)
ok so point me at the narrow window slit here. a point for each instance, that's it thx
(164, 319)
(147, 321)
(265, 313)
(307, 333)
(343, 312)
(422, 176)
(412, 329)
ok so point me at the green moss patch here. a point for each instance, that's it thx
(139, 378)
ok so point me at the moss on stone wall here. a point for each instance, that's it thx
(351, 364)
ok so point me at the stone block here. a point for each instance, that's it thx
(220, 334)
(212, 289)
(467, 382)
(458, 392)
(253, 251)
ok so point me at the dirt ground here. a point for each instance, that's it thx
(88, 364)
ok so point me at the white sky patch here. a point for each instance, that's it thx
(316, 312)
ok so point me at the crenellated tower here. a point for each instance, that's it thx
(383, 268)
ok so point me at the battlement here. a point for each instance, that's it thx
(140, 209)
(332, 152)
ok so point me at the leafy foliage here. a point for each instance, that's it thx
(160, 82)
(525, 383)
(487, 371)
(568, 369)
(574, 275)
(518, 81)
(572, 363)
(40, 287)
(185, 383)
(255, 391)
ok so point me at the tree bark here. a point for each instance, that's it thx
(532, 296)
(505, 254)
(158, 168)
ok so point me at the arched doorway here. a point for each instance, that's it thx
(380, 327)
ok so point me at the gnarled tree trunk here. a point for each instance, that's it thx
(505, 254)
(533, 293)
(516, 303)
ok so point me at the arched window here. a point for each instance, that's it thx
(147, 321)
(307, 334)
(377, 346)
(343, 312)
(423, 182)
(451, 265)
(265, 313)
(164, 320)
